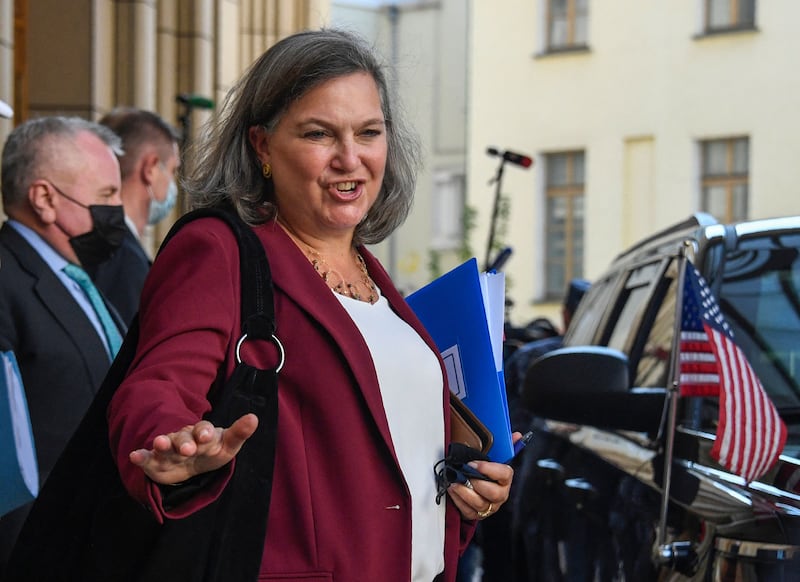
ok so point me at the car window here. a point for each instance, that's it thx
(631, 306)
(592, 309)
(759, 295)
(655, 355)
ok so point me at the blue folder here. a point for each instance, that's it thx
(463, 311)
(19, 473)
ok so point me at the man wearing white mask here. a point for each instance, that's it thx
(149, 193)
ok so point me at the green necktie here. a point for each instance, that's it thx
(113, 336)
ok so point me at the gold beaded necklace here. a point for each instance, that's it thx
(332, 277)
(338, 284)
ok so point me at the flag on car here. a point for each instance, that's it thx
(750, 434)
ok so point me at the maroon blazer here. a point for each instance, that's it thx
(340, 508)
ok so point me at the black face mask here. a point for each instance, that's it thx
(100, 243)
(108, 230)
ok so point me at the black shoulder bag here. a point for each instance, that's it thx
(85, 527)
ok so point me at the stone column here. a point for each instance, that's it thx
(136, 54)
(7, 63)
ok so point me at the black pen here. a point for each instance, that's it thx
(520, 444)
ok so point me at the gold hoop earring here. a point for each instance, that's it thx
(266, 169)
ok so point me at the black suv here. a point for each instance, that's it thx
(591, 497)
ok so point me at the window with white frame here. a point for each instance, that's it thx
(722, 15)
(564, 195)
(725, 177)
(567, 24)
(447, 210)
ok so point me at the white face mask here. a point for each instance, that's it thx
(160, 208)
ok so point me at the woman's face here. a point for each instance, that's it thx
(328, 156)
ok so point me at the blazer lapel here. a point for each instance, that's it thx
(57, 301)
(309, 291)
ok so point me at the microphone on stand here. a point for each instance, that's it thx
(500, 260)
(190, 102)
(519, 160)
(513, 157)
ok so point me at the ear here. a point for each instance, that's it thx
(259, 139)
(148, 165)
(43, 201)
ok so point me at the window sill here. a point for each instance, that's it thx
(565, 50)
(714, 32)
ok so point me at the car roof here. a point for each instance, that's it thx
(702, 229)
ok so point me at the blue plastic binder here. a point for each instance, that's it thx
(19, 473)
(463, 311)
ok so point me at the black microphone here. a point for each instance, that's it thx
(500, 260)
(512, 157)
(192, 100)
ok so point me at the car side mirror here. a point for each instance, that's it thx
(591, 385)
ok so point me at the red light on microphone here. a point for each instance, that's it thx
(513, 157)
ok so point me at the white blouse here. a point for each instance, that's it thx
(411, 386)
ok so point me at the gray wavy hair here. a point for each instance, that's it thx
(225, 168)
(36, 144)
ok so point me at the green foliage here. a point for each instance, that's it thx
(435, 263)
(468, 220)
(501, 226)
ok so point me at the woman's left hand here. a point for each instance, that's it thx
(478, 499)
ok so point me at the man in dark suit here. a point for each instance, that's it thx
(542, 507)
(60, 188)
(148, 166)
(506, 557)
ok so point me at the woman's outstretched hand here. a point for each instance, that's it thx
(194, 449)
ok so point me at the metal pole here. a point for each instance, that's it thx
(665, 553)
(490, 243)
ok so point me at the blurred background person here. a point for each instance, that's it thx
(60, 187)
(496, 537)
(5, 113)
(517, 364)
(148, 167)
(541, 509)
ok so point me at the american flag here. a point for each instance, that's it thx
(750, 434)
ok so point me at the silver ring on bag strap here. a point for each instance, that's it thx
(277, 343)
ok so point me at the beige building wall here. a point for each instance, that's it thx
(426, 42)
(98, 54)
(472, 75)
(636, 102)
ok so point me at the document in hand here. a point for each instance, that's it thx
(463, 310)
(19, 474)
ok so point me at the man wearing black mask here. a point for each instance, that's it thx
(61, 193)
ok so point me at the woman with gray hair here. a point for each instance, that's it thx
(310, 150)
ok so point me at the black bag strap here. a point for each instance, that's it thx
(84, 527)
(257, 308)
(229, 534)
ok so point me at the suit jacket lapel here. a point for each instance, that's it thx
(309, 291)
(55, 298)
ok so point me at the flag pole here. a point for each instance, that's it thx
(668, 553)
